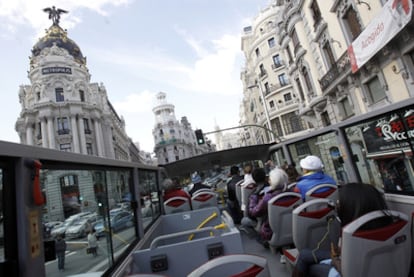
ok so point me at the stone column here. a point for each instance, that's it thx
(29, 134)
(75, 134)
(51, 132)
(43, 128)
(81, 128)
(98, 137)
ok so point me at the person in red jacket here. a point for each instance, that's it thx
(172, 189)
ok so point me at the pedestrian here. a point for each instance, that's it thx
(60, 249)
(92, 243)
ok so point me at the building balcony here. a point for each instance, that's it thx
(88, 131)
(63, 131)
(341, 66)
(278, 65)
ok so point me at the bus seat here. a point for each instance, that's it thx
(280, 210)
(146, 275)
(238, 190)
(177, 204)
(331, 193)
(384, 251)
(245, 193)
(230, 265)
(310, 225)
(204, 199)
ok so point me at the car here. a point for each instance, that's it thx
(49, 226)
(79, 229)
(61, 229)
(119, 220)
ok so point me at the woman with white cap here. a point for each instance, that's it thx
(312, 176)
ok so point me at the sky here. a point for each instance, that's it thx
(189, 49)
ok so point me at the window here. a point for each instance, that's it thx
(59, 95)
(267, 88)
(289, 54)
(251, 106)
(352, 23)
(89, 149)
(292, 123)
(177, 158)
(277, 61)
(63, 125)
(300, 89)
(262, 70)
(82, 95)
(302, 148)
(38, 95)
(86, 127)
(69, 180)
(328, 54)
(283, 80)
(345, 108)
(257, 51)
(271, 42)
(39, 130)
(316, 13)
(325, 119)
(65, 147)
(375, 90)
(277, 127)
(287, 97)
(308, 81)
(172, 131)
(272, 104)
(295, 40)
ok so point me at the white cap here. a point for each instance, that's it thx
(311, 163)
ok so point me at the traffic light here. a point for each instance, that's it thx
(199, 136)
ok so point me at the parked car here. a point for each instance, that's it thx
(49, 226)
(61, 229)
(79, 229)
(119, 220)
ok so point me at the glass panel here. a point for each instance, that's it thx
(82, 202)
(1, 218)
(150, 201)
(327, 148)
(382, 151)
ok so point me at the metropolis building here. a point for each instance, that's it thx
(63, 110)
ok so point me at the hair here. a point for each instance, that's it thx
(247, 169)
(278, 178)
(259, 175)
(357, 199)
(168, 184)
(234, 170)
(292, 173)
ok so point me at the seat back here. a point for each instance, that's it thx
(238, 190)
(177, 204)
(384, 251)
(235, 265)
(203, 199)
(280, 209)
(310, 225)
(245, 194)
(329, 191)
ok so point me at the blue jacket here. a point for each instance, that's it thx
(306, 182)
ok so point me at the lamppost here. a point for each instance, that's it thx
(262, 97)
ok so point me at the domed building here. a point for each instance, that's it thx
(62, 109)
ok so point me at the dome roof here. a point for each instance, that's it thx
(56, 35)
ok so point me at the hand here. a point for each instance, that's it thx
(335, 251)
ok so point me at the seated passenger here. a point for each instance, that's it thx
(172, 189)
(292, 173)
(258, 203)
(312, 176)
(197, 184)
(248, 179)
(232, 203)
(355, 200)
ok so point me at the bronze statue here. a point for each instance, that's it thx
(54, 14)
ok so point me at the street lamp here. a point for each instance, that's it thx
(262, 97)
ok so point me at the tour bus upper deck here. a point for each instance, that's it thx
(374, 148)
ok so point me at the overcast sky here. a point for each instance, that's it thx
(189, 49)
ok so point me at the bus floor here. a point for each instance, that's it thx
(251, 246)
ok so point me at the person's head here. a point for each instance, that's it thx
(168, 184)
(234, 170)
(277, 179)
(195, 178)
(247, 169)
(259, 175)
(311, 163)
(357, 199)
(292, 173)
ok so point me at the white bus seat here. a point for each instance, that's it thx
(245, 193)
(238, 190)
(330, 193)
(291, 186)
(309, 226)
(177, 204)
(202, 199)
(384, 251)
(231, 265)
(280, 210)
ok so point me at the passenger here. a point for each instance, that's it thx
(172, 189)
(354, 200)
(92, 243)
(249, 222)
(197, 184)
(60, 249)
(293, 175)
(258, 203)
(248, 179)
(232, 202)
(312, 176)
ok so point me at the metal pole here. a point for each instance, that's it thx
(266, 111)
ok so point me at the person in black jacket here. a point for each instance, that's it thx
(60, 249)
(232, 203)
